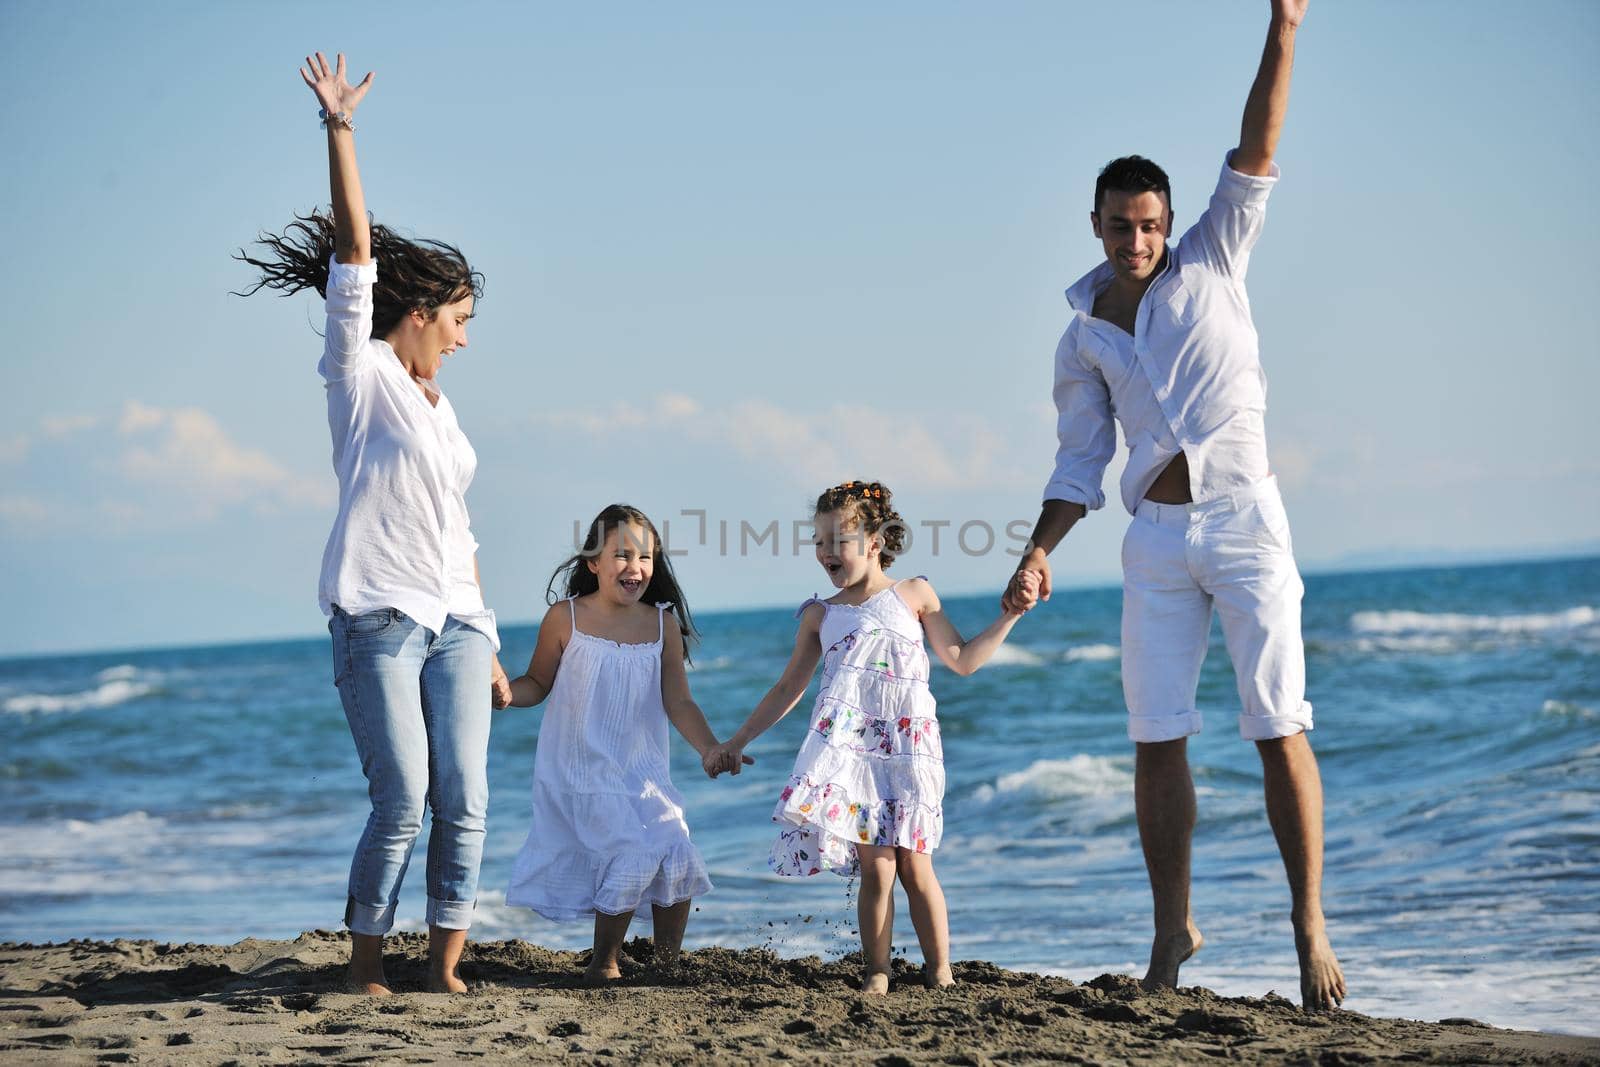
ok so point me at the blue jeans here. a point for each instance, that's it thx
(418, 707)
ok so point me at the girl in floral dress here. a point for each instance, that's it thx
(867, 790)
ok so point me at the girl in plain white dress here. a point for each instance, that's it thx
(867, 790)
(608, 833)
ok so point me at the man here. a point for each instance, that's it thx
(1161, 340)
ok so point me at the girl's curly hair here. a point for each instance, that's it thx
(417, 275)
(867, 503)
(575, 579)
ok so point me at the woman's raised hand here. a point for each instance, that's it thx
(333, 90)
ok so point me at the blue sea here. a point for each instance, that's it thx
(209, 794)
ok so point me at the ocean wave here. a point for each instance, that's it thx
(1054, 779)
(118, 690)
(1014, 656)
(1091, 653)
(131, 852)
(1424, 622)
(1566, 709)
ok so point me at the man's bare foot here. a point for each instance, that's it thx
(599, 974)
(1167, 954)
(938, 978)
(1321, 978)
(875, 984)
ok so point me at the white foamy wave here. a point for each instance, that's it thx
(1091, 653)
(716, 663)
(1014, 656)
(1423, 622)
(1053, 779)
(106, 694)
(1568, 710)
(121, 673)
(131, 852)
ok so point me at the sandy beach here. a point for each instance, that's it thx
(282, 1001)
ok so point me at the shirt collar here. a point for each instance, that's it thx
(1081, 294)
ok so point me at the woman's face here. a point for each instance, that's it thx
(847, 553)
(441, 336)
(625, 563)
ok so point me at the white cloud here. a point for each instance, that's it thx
(186, 451)
(66, 425)
(906, 448)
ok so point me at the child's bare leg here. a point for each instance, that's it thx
(669, 923)
(926, 901)
(875, 914)
(609, 933)
(444, 956)
(366, 965)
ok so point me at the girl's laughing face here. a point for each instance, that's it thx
(625, 563)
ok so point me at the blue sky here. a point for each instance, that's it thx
(738, 252)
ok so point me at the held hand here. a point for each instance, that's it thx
(333, 90)
(1029, 585)
(1289, 12)
(499, 686)
(1024, 591)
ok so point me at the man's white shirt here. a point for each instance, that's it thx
(1190, 377)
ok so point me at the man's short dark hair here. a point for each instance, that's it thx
(1131, 174)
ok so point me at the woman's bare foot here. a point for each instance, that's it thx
(600, 973)
(365, 975)
(939, 977)
(875, 984)
(1321, 977)
(1167, 954)
(440, 982)
(367, 986)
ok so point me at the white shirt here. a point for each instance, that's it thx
(402, 538)
(1188, 379)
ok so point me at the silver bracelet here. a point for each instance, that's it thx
(336, 118)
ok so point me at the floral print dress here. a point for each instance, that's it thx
(871, 769)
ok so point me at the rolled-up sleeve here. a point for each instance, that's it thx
(1085, 434)
(349, 317)
(1228, 229)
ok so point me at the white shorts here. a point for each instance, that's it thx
(1177, 561)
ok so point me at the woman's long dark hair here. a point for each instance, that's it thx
(415, 275)
(578, 580)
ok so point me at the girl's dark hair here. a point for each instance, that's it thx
(867, 503)
(415, 275)
(577, 579)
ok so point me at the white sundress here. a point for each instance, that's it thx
(608, 832)
(871, 769)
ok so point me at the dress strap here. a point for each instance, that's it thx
(810, 600)
(572, 608)
(661, 619)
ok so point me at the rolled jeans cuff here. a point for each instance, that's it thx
(364, 919)
(1270, 727)
(451, 914)
(1151, 729)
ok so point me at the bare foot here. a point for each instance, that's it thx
(1167, 954)
(601, 974)
(875, 984)
(367, 984)
(446, 983)
(938, 978)
(1321, 978)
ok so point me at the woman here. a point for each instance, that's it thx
(414, 647)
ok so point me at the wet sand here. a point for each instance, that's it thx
(283, 1002)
